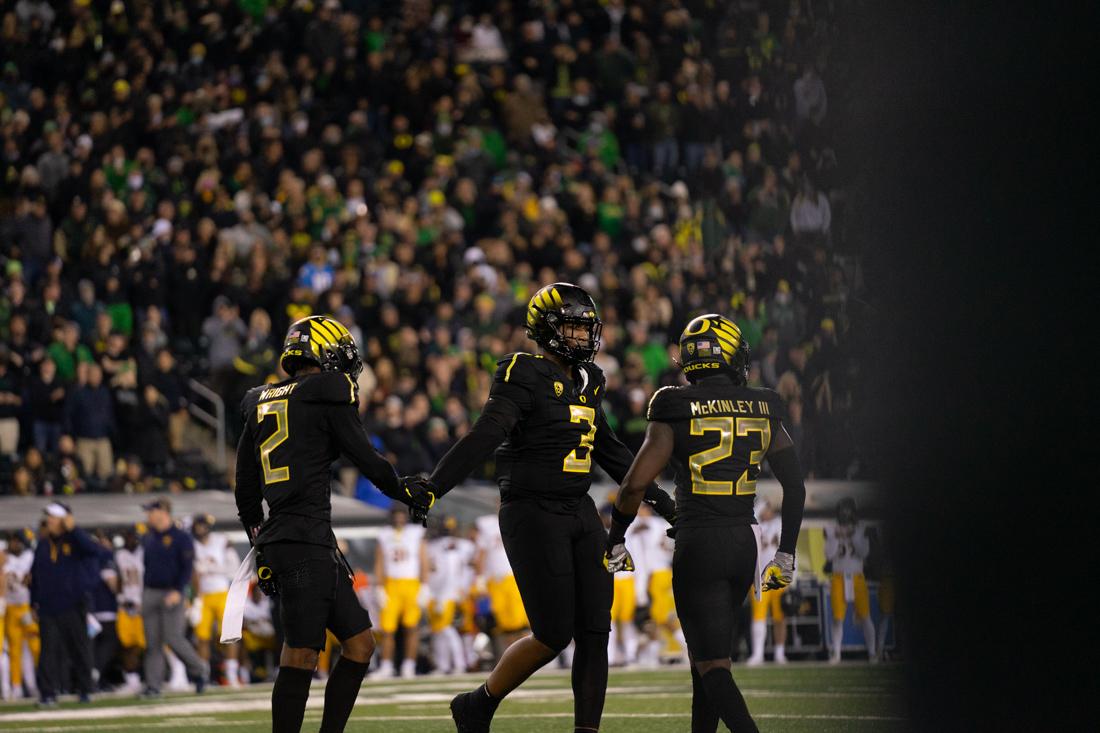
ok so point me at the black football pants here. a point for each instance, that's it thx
(556, 550)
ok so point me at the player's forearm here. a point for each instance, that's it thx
(787, 470)
(474, 448)
(378, 471)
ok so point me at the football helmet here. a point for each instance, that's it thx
(323, 342)
(553, 308)
(712, 344)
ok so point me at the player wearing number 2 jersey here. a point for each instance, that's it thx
(293, 432)
(716, 431)
(544, 411)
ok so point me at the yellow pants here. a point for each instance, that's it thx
(840, 604)
(622, 606)
(401, 605)
(468, 607)
(770, 600)
(255, 643)
(19, 628)
(886, 595)
(441, 615)
(213, 606)
(507, 604)
(130, 630)
(662, 607)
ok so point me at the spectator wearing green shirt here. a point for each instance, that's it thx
(751, 320)
(653, 354)
(67, 351)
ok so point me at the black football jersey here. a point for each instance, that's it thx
(293, 431)
(562, 429)
(722, 433)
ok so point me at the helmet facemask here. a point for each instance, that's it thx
(575, 338)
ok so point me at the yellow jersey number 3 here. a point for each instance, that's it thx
(574, 462)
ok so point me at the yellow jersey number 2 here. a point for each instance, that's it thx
(728, 429)
(573, 462)
(273, 474)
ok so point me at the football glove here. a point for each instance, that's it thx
(423, 596)
(380, 597)
(617, 558)
(419, 494)
(779, 573)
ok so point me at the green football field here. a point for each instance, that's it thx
(796, 697)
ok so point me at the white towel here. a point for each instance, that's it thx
(760, 563)
(233, 617)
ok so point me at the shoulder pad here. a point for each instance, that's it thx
(329, 387)
(519, 368)
(666, 406)
(776, 405)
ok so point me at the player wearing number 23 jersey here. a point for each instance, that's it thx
(716, 431)
(545, 414)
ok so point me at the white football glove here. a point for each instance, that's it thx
(617, 559)
(423, 596)
(779, 573)
(380, 597)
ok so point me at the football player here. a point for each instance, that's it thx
(449, 557)
(493, 577)
(846, 547)
(293, 431)
(716, 430)
(216, 563)
(130, 627)
(546, 410)
(771, 526)
(401, 574)
(20, 630)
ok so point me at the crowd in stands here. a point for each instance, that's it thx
(180, 181)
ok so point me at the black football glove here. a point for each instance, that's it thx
(418, 493)
(662, 503)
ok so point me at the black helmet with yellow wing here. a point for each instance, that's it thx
(561, 318)
(323, 342)
(713, 344)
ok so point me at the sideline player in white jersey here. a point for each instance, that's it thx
(846, 547)
(129, 626)
(216, 563)
(401, 573)
(494, 576)
(20, 631)
(771, 526)
(449, 557)
(655, 548)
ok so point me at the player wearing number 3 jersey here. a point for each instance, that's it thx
(293, 432)
(544, 411)
(716, 431)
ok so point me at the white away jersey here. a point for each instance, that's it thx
(450, 560)
(216, 564)
(400, 550)
(490, 541)
(17, 568)
(131, 571)
(847, 547)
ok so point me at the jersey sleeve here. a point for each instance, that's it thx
(248, 492)
(334, 388)
(777, 408)
(516, 379)
(664, 406)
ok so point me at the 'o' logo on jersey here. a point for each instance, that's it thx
(558, 389)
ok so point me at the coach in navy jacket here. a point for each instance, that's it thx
(59, 596)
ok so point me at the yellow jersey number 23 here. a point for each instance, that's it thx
(728, 429)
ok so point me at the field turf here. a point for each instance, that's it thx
(801, 697)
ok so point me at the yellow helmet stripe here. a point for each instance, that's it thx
(725, 340)
(325, 330)
(341, 329)
(556, 297)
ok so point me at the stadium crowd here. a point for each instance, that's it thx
(180, 181)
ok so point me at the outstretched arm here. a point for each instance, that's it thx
(648, 464)
(615, 458)
(353, 442)
(490, 430)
